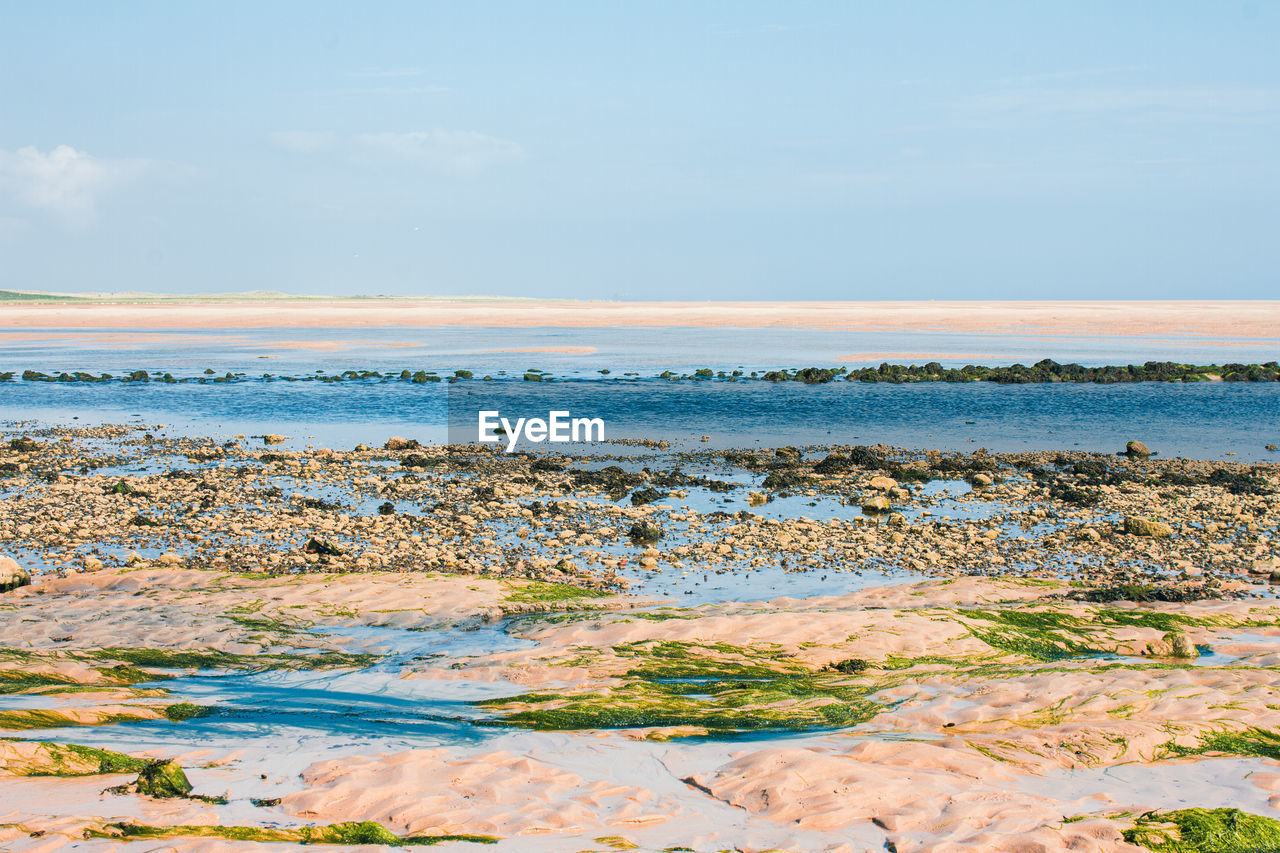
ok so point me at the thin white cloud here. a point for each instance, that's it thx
(64, 180)
(1190, 103)
(449, 151)
(304, 141)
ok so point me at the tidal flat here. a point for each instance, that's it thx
(226, 644)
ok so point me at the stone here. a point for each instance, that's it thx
(644, 531)
(12, 575)
(875, 505)
(274, 438)
(398, 443)
(1136, 450)
(981, 481)
(1137, 526)
(163, 779)
(883, 484)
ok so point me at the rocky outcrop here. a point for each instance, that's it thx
(12, 575)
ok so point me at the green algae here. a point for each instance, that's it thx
(683, 685)
(163, 779)
(1205, 831)
(1051, 635)
(530, 592)
(186, 711)
(39, 718)
(351, 832)
(214, 659)
(1251, 742)
(71, 759)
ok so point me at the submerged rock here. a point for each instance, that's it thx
(12, 575)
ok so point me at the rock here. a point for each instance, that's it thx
(757, 499)
(644, 531)
(1136, 450)
(896, 519)
(1137, 526)
(12, 575)
(981, 481)
(1264, 567)
(875, 505)
(387, 508)
(92, 563)
(322, 547)
(274, 438)
(1180, 646)
(883, 484)
(398, 443)
(163, 779)
(640, 497)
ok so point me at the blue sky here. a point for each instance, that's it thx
(712, 150)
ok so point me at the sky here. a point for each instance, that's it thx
(643, 151)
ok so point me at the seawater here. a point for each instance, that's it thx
(1201, 420)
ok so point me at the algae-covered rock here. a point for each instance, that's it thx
(878, 504)
(12, 575)
(1136, 525)
(163, 779)
(644, 531)
(1136, 450)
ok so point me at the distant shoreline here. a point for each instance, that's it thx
(1245, 319)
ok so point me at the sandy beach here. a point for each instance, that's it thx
(1213, 319)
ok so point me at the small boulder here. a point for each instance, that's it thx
(640, 497)
(1136, 450)
(322, 547)
(163, 779)
(883, 484)
(12, 575)
(875, 505)
(980, 481)
(398, 443)
(1137, 526)
(644, 531)
(274, 438)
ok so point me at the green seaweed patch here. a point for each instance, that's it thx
(186, 711)
(71, 759)
(40, 718)
(214, 659)
(699, 690)
(1205, 831)
(1251, 742)
(27, 681)
(351, 832)
(1051, 635)
(530, 592)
